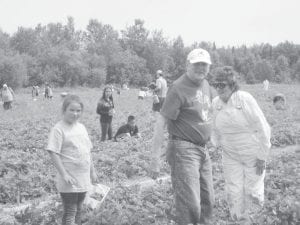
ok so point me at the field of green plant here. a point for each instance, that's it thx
(27, 175)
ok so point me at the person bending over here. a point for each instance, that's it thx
(130, 129)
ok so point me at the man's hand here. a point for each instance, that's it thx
(154, 168)
(260, 166)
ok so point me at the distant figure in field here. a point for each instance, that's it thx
(130, 129)
(105, 108)
(279, 102)
(142, 94)
(160, 90)
(35, 92)
(152, 86)
(118, 91)
(125, 87)
(266, 85)
(48, 92)
(8, 96)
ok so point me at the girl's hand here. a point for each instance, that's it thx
(94, 178)
(260, 166)
(69, 179)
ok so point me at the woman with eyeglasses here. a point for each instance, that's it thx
(243, 134)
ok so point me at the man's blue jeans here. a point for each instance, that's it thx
(72, 203)
(191, 174)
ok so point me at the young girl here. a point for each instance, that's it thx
(69, 147)
(105, 109)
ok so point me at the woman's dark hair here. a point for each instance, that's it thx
(110, 97)
(226, 74)
(70, 99)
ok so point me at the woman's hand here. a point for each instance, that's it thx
(260, 166)
(111, 112)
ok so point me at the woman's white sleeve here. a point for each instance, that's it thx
(259, 125)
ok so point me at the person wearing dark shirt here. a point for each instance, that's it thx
(105, 108)
(279, 101)
(128, 130)
(187, 113)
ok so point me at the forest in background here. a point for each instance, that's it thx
(59, 54)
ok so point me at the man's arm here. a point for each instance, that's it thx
(158, 85)
(156, 145)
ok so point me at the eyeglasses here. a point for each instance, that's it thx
(219, 85)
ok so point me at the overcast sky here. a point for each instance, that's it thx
(227, 22)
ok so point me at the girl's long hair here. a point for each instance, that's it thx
(110, 97)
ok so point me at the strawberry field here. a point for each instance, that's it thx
(27, 175)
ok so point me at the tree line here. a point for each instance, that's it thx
(59, 54)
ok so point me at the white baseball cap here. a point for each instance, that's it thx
(159, 72)
(199, 55)
(5, 85)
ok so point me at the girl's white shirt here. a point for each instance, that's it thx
(72, 144)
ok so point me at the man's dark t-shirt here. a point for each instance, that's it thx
(188, 110)
(127, 129)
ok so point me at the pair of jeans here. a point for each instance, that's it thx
(106, 129)
(72, 204)
(7, 105)
(191, 175)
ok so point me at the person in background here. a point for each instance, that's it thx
(161, 89)
(152, 86)
(266, 84)
(69, 147)
(50, 92)
(35, 92)
(187, 113)
(243, 133)
(279, 101)
(128, 130)
(46, 91)
(105, 108)
(141, 94)
(7, 95)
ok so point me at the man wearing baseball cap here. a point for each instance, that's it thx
(160, 90)
(187, 114)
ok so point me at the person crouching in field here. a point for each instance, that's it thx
(279, 101)
(128, 130)
(243, 133)
(69, 147)
(105, 108)
(8, 96)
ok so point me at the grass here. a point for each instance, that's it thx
(28, 173)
